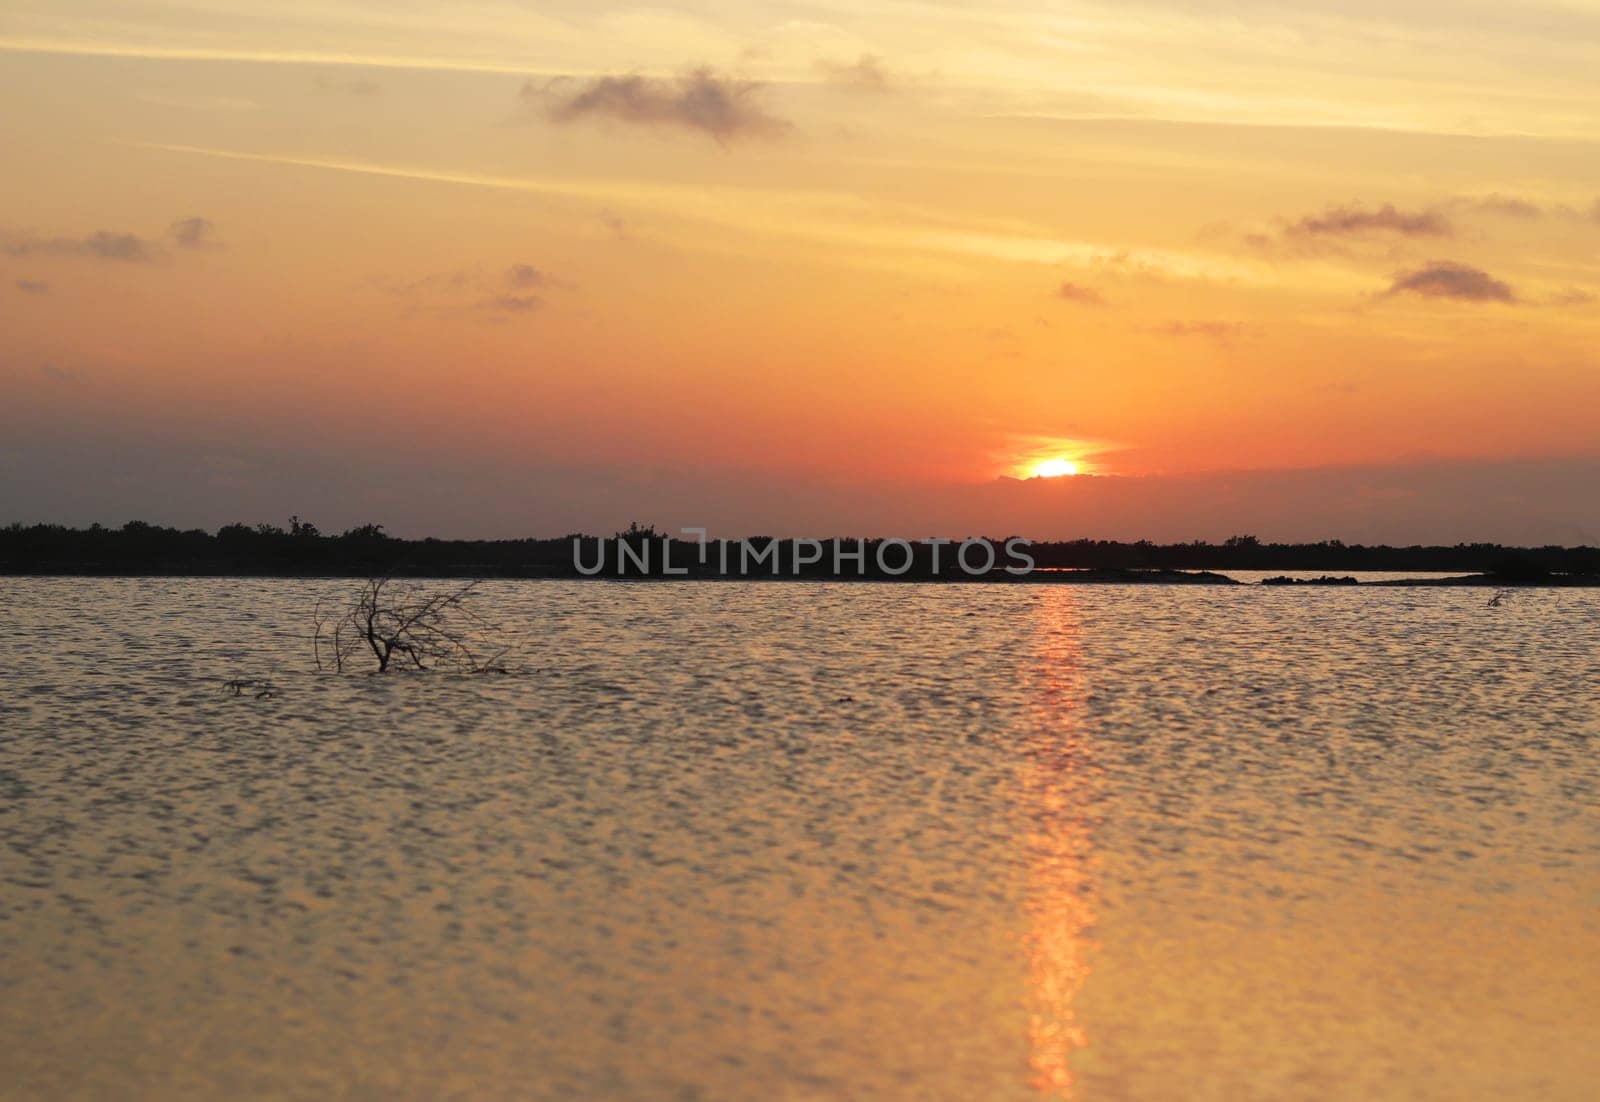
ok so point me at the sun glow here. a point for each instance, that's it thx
(1053, 468)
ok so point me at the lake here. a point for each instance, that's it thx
(724, 840)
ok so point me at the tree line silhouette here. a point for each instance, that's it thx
(301, 549)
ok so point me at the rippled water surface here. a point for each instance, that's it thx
(805, 841)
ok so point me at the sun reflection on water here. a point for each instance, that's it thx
(1059, 903)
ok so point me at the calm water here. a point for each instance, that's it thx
(725, 841)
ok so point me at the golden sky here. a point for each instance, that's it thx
(264, 256)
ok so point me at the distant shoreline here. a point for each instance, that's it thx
(1051, 576)
(301, 551)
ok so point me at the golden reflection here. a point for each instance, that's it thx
(1059, 903)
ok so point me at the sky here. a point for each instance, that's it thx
(1301, 269)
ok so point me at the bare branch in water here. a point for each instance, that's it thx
(393, 621)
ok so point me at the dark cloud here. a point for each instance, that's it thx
(102, 245)
(1076, 292)
(1447, 279)
(722, 107)
(866, 74)
(1354, 220)
(525, 275)
(33, 287)
(193, 233)
(119, 246)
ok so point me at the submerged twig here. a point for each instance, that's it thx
(258, 688)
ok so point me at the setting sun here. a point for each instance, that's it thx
(1052, 468)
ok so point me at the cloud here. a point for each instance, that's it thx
(614, 222)
(1507, 205)
(1574, 296)
(1447, 279)
(1075, 292)
(795, 212)
(348, 87)
(1216, 330)
(865, 74)
(722, 107)
(33, 287)
(525, 275)
(102, 245)
(117, 246)
(464, 292)
(193, 233)
(438, 283)
(1512, 206)
(512, 304)
(1349, 221)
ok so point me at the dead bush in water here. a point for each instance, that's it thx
(416, 626)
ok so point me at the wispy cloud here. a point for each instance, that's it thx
(100, 245)
(1214, 330)
(420, 62)
(1514, 206)
(723, 108)
(507, 293)
(1347, 221)
(193, 233)
(1076, 292)
(437, 283)
(33, 287)
(838, 218)
(59, 374)
(1346, 230)
(1574, 296)
(228, 104)
(1450, 280)
(348, 86)
(511, 304)
(1507, 206)
(866, 74)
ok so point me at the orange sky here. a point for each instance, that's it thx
(882, 248)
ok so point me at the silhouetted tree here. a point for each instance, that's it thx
(1518, 566)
